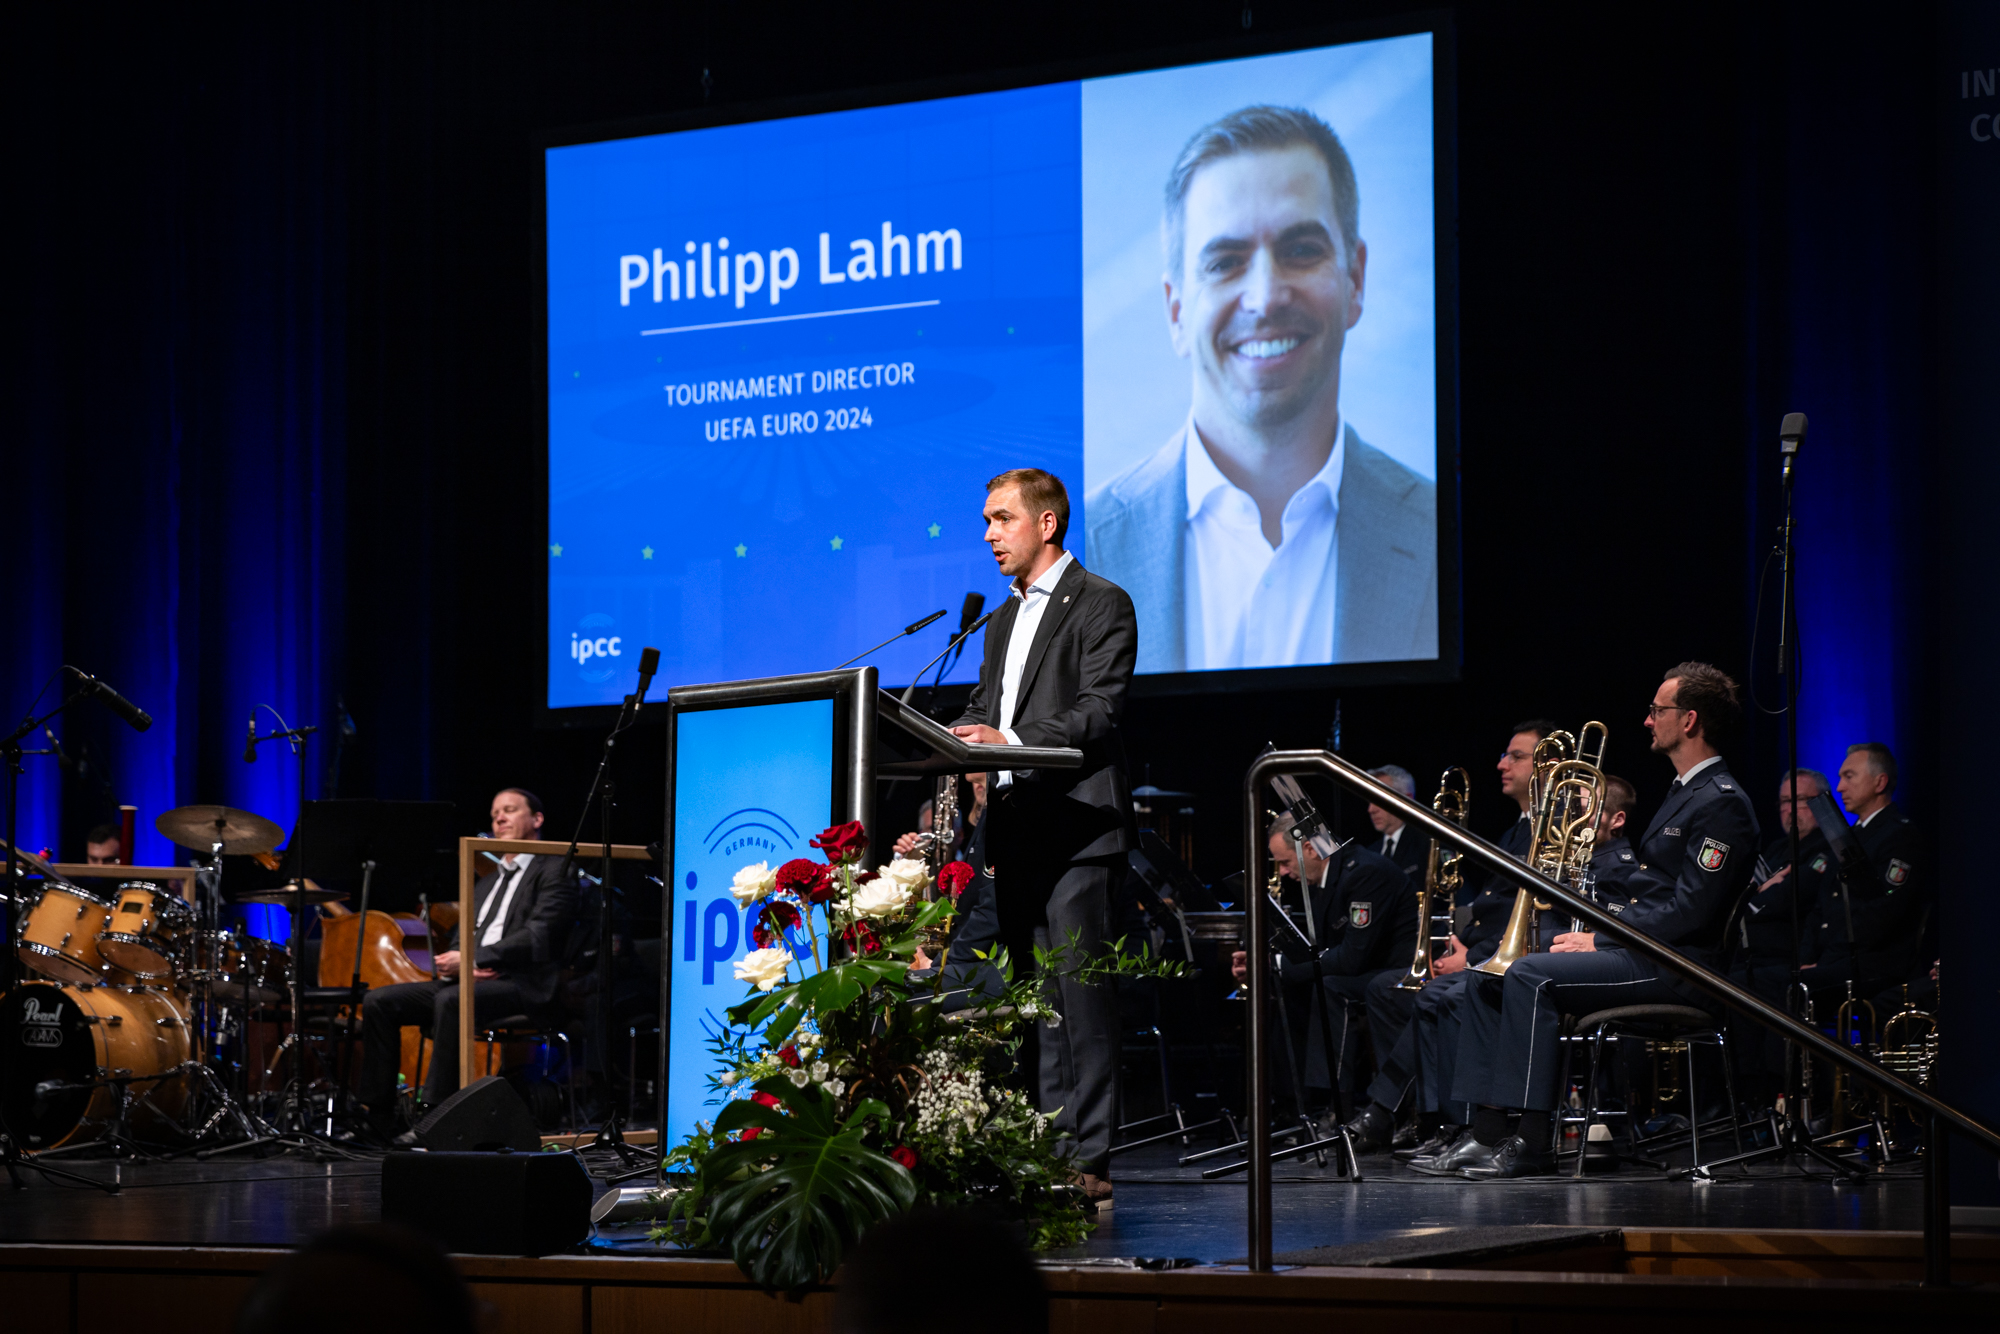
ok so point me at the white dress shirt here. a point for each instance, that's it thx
(1250, 604)
(1389, 841)
(493, 917)
(1034, 601)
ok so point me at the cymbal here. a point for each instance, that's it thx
(286, 896)
(201, 827)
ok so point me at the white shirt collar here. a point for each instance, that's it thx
(1862, 823)
(1688, 777)
(1046, 584)
(1204, 479)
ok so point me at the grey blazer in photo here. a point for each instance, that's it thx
(1385, 544)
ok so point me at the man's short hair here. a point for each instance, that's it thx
(104, 833)
(1260, 129)
(1711, 695)
(534, 802)
(1541, 727)
(1040, 491)
(1879, 759)
(1619, 795)
(1818, 778)
(1396, 776)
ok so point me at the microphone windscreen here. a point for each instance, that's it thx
(649, 661)
(974, 602)
(1794, 427)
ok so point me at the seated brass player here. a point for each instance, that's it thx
(521, 914)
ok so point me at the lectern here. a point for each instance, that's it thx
(755, 769)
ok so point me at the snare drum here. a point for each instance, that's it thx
(58, 936)
(80, 1038)
(146, 925)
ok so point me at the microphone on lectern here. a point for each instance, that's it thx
(909, 629)
(956, 640)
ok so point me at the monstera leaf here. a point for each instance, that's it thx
(813, 1186)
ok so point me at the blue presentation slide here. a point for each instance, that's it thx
(753, 784)
(785, 357)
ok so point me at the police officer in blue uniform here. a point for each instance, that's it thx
(1365, 918)
(1413, 1075)
(1883, 894)
(1694, 861)
(1765, 938)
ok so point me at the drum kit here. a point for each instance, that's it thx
(139, 999)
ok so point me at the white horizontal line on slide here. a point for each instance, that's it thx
(781, 319)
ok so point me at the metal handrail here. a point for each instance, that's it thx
(1275, 763)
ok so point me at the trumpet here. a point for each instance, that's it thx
(1565, 796)
(1442, 878)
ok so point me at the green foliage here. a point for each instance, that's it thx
(812, 1185)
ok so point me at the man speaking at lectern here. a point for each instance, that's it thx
(1059, 657)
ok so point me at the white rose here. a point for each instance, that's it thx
(727, 1079)
(881, 897)
(909, 873)
(764, 968)
(753, 883)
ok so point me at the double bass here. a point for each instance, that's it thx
(385, 961)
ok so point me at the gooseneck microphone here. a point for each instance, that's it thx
(956, 640)
(250, 743)
(1790, 434)
(139, 719)
(909, 629)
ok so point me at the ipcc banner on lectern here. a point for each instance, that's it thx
(751, 785)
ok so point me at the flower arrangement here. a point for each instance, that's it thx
(851, 1091)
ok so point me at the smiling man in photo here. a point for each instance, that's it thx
(1266, 532)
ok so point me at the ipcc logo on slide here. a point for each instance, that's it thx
(593, 647)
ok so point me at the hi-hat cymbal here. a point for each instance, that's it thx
(202, 827)
(288, 894)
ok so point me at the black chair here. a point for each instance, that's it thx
(523, 1028)
(1649, 1023)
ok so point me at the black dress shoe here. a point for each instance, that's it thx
(1512, 1159)
(1372, 1129)
(1448, 1161)
(1406, 1136)
(1447, 1135)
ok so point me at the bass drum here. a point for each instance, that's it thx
(82, 1035)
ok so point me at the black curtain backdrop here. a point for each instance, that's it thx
(273, 434)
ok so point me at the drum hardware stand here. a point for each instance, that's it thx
(356, 989)
(292, 1114)
(11, 755)
(610, 1133)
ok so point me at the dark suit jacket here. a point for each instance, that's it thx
(1694, 861)
(1413, 850)
(529, 951)
(1073, 688)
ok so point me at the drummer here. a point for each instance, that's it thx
(521, 914)
(103, 846)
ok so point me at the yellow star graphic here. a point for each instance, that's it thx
(645, 553)
(742, 550)
(935, 530)
(836, 544)
(555, 548)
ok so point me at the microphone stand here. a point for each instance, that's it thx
(610, 1132)
(958, 642)
(11, 756)
(909, 629)
(292, 1115)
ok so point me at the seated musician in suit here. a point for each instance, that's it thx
(521, 916)
(1408, 848)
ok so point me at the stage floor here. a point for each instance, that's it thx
(1163, 1211)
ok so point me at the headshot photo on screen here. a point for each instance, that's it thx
(1260, 386)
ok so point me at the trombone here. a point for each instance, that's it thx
(1442, 879)
(1565, 796)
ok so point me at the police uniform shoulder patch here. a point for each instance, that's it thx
(1898, 872)
(1713, 854)
(1360, 914)
(1819, 863)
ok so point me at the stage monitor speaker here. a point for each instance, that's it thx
(502, 1203)
(485, 1114)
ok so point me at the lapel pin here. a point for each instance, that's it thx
(1065, 599)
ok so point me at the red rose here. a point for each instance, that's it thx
(763, 1099)
(905, 1155)
(790, 1056)
(843, 842)
(954, 877)
(809, 881)
(776, 918)
(862, 937)
(750, 1132)
(863, 877)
